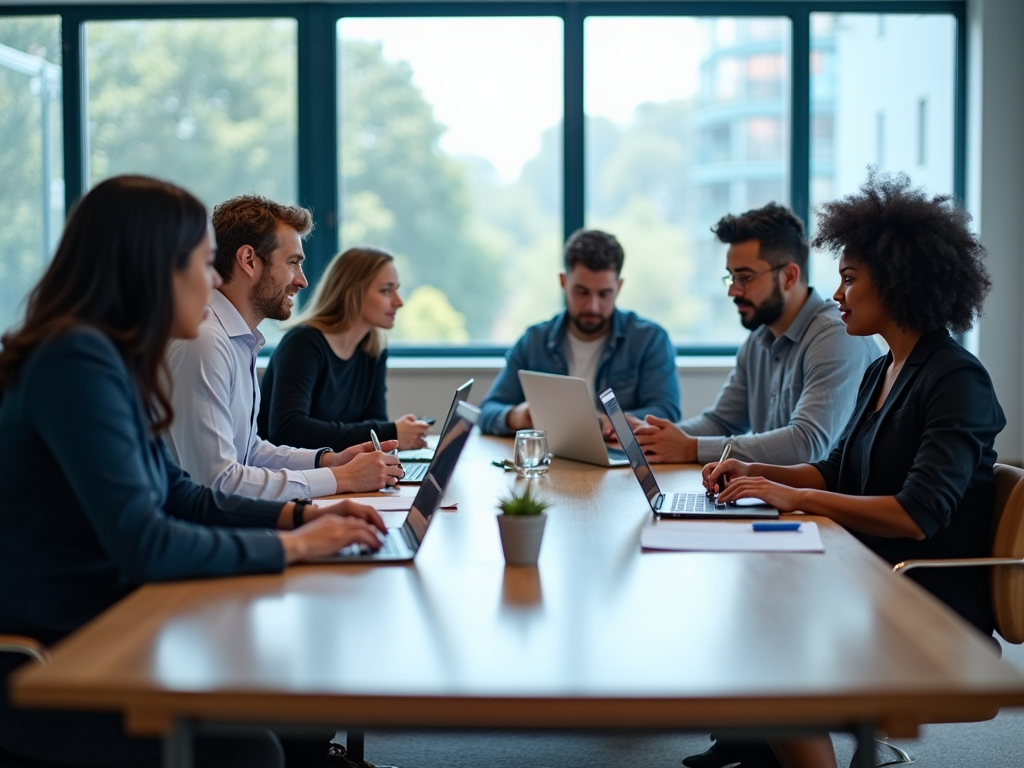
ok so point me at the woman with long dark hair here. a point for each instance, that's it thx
(90, 504)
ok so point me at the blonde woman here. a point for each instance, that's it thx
(326, 382)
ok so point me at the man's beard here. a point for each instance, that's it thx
(590, 324)
(766, 313)
(267, 300)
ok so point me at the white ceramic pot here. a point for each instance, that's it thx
(521, 536)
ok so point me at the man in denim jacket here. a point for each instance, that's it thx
(592, 340)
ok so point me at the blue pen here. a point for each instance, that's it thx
(779, 526)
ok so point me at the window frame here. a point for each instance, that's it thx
(318, 182)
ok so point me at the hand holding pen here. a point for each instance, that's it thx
(721, 480)
(715, 476)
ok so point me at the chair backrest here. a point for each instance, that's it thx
(1008, 580)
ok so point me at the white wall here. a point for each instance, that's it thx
(995, 196)
(418, 386)
(886, 68)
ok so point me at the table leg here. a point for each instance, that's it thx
(177, 746)
(864, 757)
(354, 745)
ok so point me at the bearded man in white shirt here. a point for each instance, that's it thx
(216, 394)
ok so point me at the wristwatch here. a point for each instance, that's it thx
(299, 511)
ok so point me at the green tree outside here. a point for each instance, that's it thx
(211, 104)
(208, 104)
(401, 192)
(24, 245)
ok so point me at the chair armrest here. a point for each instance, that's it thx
(24, 645)
(955, 562)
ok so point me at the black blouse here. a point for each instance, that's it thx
(310, 397)
(930, 446)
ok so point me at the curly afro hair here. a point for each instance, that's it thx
(925, 263)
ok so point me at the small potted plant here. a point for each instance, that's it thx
(521, 524)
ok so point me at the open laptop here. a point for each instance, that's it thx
(563, 407)
(683, 504)
(401, 544)
(415, 472)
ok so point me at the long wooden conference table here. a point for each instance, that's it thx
(599, 636)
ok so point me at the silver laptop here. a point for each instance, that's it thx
(401, 544)
(415, 461)
(563, 407)
(684, 504)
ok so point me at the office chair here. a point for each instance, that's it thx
(25, 646)
(1007, 580)
(1007, 552)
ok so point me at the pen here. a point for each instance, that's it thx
(375, 441)
(721, 478)
(775, 526)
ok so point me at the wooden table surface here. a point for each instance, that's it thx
(598, 635)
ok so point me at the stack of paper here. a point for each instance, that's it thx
(686, 535)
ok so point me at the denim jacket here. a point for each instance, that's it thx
(638, 362)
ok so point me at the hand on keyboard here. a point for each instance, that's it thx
(328, 535)
(362, 549)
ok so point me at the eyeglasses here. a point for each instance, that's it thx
(740, 281)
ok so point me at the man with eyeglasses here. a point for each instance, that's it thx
(795, 382)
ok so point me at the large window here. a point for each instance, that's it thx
(471, 145)
(209, 104)
(687, 120)
(31, 163)
(904, 126)
(450, 157)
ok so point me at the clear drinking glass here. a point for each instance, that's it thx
(531, 454)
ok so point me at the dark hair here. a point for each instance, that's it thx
(113, 271)
(253, 220)
(595, 250)
(777, 229)
(925, 263)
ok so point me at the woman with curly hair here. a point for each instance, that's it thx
(911, 476)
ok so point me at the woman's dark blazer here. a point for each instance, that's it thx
(932, 448)
(91, 505)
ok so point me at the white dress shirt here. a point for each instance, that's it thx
(216, 399)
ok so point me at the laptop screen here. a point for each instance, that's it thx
(633, 451)
(442, 466)
(461, 394)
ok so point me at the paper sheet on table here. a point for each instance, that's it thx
(690, 536)
(393, 508)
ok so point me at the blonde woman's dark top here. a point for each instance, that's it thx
(310, 397)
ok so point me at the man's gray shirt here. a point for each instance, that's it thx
(788, 398)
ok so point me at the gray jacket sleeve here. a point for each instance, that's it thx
(729, 414)
(833, 367)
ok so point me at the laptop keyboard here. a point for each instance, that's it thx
(617, 454)
(393, 545)
(415, 472)
(693, 502)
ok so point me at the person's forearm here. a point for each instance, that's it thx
(786, 446)
(493, 415)
(874, 515)
(795, 476)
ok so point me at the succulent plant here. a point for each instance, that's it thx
(522, 504)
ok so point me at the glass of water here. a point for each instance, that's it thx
(531, 454)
